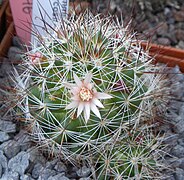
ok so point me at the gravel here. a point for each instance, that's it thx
(21, 160)
(162, 21)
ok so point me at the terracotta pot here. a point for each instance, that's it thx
(6, 28)
(9, 17)
(3, 18)
(166, 54)
(7, 40)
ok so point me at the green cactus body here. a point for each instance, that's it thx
(131, 158)
(91, 66)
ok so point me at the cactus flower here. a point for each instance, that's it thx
(36, 57)
(85, 97)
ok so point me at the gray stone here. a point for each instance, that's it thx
(162, 29)
(7, 126)
(11, 149)
(3, 160)
(58, 176)
(60, 167)
(171, 177)
(26, 177)
(46, 173)
(4, 136)
(84, 171)
(180, 45)
(181, 165)
(179, 125)
(23, 139)
(51, 164)
(177, 163)
(1, 170)
(19, 163)
(86, 178)
(171, 20)
(181, 112)
(178, 151)
(11, 175)
(167, 12)
(3, 145)
(179, 174)
(179, 34)
(38, 168)
(164, 41)
(72, 175)
(177, 90)
(36, 156)
(178, 75)
(171, 28)
(171, 35)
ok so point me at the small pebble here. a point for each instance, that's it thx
(4, 136)
(11, 175)
(84, 172)
(60, 167)
(46, 174)
(1, 170)
(19, 163)
(38, 168)
(58, 177)
(11, 149)
(7, 126)
(179, 174)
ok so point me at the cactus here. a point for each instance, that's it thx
(85, 88)
(135, 156)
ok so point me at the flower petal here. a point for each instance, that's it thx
(75, 98)
(89, 86)
(75, 90)
(88, 78)
(68, 85)
(87, 112)
(95, 110)
(77, 80)
(72, 105)
(100, 95)
(80, 108)
(96, 102)
(85, 117)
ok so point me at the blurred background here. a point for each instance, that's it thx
(161, 21)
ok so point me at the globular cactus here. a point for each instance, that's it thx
(85, 88)
(135, 156)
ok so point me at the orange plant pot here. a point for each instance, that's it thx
(7, 40)
(6, 28)
(3, 18)
(166, 54)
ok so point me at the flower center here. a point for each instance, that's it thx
(85, 94)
